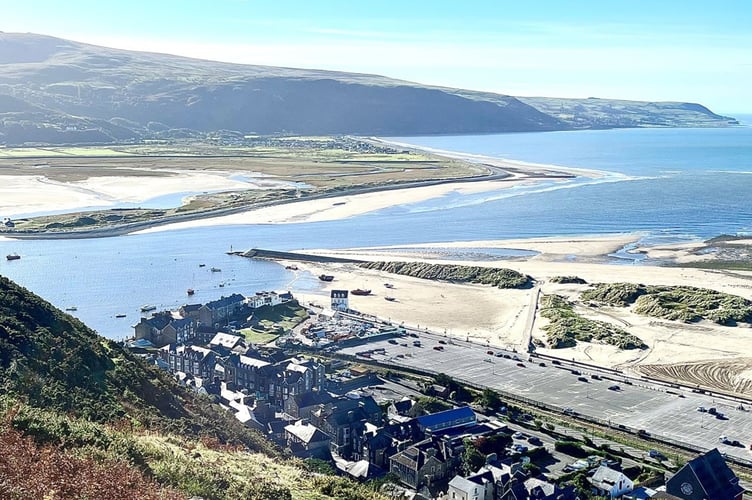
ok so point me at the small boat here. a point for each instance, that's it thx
(202, 265)
(292, 268)
(71, 308)
(326, 277)
(13, 256)
(222, 285)
(390, 299)
(216, 270)
(120, 315)
(190, 291)
(360, 291)
(388, 285)
(339, 203)
(147, 308)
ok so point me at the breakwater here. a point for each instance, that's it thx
(258, 253)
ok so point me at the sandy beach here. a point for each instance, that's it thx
(504, 318)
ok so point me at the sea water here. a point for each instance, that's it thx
(671, 184)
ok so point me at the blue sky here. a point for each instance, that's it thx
(687, 50)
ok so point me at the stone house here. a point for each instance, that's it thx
(305, 440)
(163, 328)
(221, 311)
(420, 465)
(197, 361)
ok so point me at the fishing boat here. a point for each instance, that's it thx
(13, 256)
(326, 277)
(71, 308)
(190, 291)
(147, 308)
(360, 291)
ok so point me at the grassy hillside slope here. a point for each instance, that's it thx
(81, 417)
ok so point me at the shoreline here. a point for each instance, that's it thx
(501, 174)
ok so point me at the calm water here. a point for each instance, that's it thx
(670, 183)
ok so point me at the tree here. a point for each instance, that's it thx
(489, 399)
(472, 458)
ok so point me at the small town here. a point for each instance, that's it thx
(423, 437)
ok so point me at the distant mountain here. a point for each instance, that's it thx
(59, 91)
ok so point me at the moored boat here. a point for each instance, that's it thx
(148, 307)
(120, 315)
(326, 277)
(360, 291)
(216, 270)
(13, 256)
(190, 291)
(390, 299)
(71, 308)
(292, 267)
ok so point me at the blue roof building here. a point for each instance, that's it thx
(447, 419)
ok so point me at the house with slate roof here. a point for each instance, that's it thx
(421, 464)
(305, 440)
(705, 477)
(610, 483)
(163, 328)
(219, 312)
(479, 486)
(447, 419)
(195, 360)
(344, 420)
(301, 405)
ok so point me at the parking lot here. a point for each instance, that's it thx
(638, 404)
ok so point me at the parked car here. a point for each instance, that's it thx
(582, 379)
(518, 435)
(614, 388)
(723, 439)
(555, 362)
(595, 377)
(568, 411)
(490, 353)
(541, 364)
(576, 372)
(712, 410)
(392, 341)
(521, 365)
(442, 342)
(438, 348)
(507, 356)
(702, 409)
(655, 454)
(498, 354)
(535, 441)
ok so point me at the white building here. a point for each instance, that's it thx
(340, 301)
(611, 483)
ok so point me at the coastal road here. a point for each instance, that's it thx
(664, 412)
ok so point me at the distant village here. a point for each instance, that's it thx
(420, 437)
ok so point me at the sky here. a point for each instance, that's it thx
(657, 50)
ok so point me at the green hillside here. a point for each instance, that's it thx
(81, 417)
